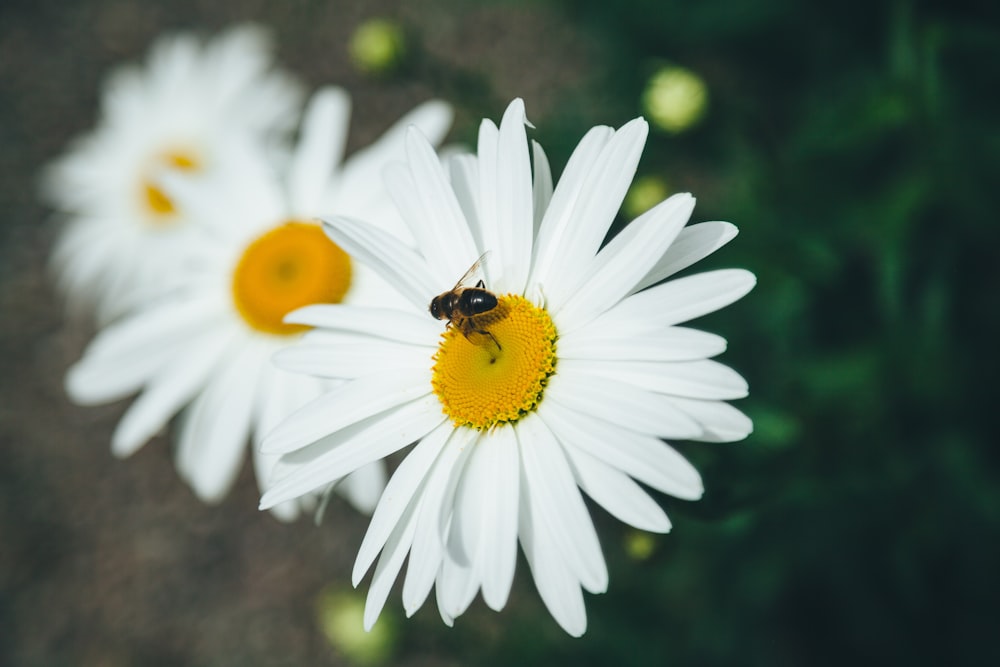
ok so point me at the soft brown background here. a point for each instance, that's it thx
(104, 562)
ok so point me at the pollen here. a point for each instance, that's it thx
(160, 207)
(290, 266)
(482, 382)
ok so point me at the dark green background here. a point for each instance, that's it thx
(855, 144)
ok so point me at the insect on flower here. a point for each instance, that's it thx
(461, 305)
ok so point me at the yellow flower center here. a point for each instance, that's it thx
(158, 203)
(291, 266)
(482, 382)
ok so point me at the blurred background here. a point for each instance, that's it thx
(857, 147)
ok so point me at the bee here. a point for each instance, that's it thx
(462, 305)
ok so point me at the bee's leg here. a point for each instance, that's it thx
(468, 326)
(492, 337)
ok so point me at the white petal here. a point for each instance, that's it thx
(363, 487)
(647, 459)
(599, 198)
(434, 215)
(214, 438)
(389, 564)
(676, 301)
(464, 172)
(616, 492)
(670, 344)
(556, 503)
(125, 354)
(557, 584)
(349, 361)
(360, 184)
(720, 421)
(559, 218)
(498, 527)
(704, 379)
(319, 149)
(376, 323)
(427, 551)
(346, 404)
(624, 261)
(404, 484)
(393, 260)
(693, 244)
(515, 206)
(168, 392)
(618, 402)
(457, 584)
(541, 185)
(330, 458)
(486, 198)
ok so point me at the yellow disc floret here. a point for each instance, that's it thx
(159, 205)
(486, 380)
(291, 266)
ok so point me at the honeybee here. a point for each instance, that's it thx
(462, 305)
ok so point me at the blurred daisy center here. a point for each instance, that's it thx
(291, 266)
(481, 382)
(159, 204)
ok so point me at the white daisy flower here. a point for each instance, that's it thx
(207, 344)
(569, 381)
(185, 111)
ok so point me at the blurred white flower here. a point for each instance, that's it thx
(188, 110)
(207, 344)
(568, 382)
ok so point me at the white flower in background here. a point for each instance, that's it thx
(569, 383)
(188, 110)
(208, 344)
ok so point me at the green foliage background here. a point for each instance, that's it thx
(857, 147)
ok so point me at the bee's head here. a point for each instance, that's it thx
(435, 308)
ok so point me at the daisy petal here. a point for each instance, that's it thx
(349, 361)
(363, 487)
(704, 379)
(399, 264)
(513, 198)
(599, 197)
(167, 392)
(677, 301)
(616, 492)
(214, 438)
(384, 323)
(720, 421)
(618, 402)
(389, 564)
(355, 189)
(557, 584)
(124, 356)
(403, 487)
(427, 552)
(464, 171)
(556, 224)
(320, 147)
(435, 218)
(624, 261)
(328, 459)
(499, 520)
(693, 244)
(671, 344)
(346, 404)
(557, 504)
(647, 459)
(542, 184)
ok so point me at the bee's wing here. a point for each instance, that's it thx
(472, 271)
